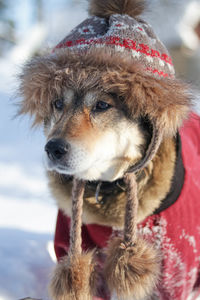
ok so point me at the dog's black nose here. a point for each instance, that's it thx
(56, 149)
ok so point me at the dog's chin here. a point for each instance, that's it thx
(103, 171)
(98, 172)
(60, 168)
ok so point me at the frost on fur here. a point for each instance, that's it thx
(132, 271)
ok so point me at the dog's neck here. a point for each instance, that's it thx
(154, 182)
(155, 188)
(154, 185)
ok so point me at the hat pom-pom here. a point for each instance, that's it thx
(131, 271)
(73, 278)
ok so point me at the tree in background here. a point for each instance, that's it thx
(7, 27)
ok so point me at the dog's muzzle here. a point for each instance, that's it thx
(56, 149)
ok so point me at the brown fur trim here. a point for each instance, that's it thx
(43, 78)
(131, 270)
(39, 83)
(72, 278)
(106, 8)
(167, 101)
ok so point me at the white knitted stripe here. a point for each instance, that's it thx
(135, 53)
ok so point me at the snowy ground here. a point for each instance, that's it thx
(28, 213)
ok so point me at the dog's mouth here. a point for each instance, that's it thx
(52, 165)
(59, 167)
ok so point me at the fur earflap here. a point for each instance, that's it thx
(39, 84)
(73, 278)
(43, 79)
(106, 8)
(167, 102)
(131, 271)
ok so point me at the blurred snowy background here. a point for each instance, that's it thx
(27, 212)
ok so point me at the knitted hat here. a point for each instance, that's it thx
(132, 266)
(122, 33)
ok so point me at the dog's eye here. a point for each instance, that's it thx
(101, 106)
(59, 104)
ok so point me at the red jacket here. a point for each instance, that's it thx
(175, 230)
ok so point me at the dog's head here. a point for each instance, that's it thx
(90, 136)
(98, 115)
(98, 94)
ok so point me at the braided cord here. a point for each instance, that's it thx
(130, 225)
(76, 220)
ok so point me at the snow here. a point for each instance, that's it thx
(28, 214)
(26, 263)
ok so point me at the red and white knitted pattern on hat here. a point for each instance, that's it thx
(124, 35)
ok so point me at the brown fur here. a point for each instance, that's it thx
(167, 101)
(79, 126)
(131, 270)
(106, 8)
(72, 278)
(155, 186)
(152, 188)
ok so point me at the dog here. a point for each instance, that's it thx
(111, 105)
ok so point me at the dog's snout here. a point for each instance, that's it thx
(56, 149)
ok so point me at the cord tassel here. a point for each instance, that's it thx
(132, 265)
(74, 275)
(130, 226)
